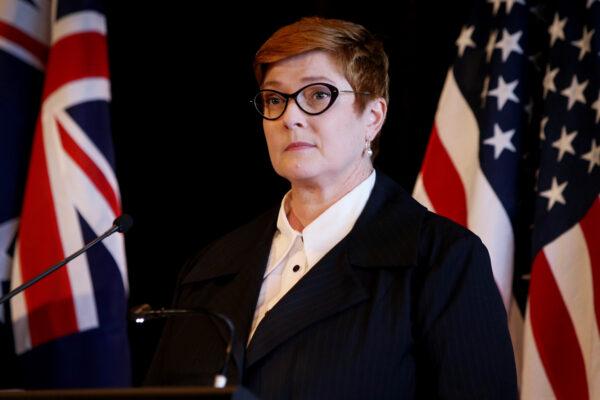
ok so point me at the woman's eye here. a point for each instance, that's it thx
(320, 95)
(273, 101)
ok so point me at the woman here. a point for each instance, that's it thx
(349, 289)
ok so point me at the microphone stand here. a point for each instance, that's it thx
(121, 224)
(144, 312)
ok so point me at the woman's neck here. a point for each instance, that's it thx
(308, 200)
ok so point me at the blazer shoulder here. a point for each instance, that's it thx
(225, 255)
(395, 230)
(242, 237)
(388, 230)
(439, 235)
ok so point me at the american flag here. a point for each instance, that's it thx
(70, 328)
(514, 155)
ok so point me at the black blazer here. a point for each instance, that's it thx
(405, 306)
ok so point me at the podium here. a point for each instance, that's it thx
(170, 392)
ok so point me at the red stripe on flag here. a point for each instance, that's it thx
(38, 49)
(90, 51)
(554, 334)
(49, 302)
(90, 169)
(590, 225)
(442, 182)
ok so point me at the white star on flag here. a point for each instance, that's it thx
(575, 92)
(557, 29)
(584, 44)
(501, 141)
(465, 40)
(565, 143)
(504, 92)
(549, 80)
(509, 43)
(596, 106)
(554, 194)
(593, 156)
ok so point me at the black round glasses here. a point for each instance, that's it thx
(313, 99)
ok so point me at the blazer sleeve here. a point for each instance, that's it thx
(461, 333)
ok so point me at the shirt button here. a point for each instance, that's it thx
(296, 268)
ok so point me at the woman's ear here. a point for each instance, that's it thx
(375, 113)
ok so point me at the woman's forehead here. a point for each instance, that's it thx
(302, 69)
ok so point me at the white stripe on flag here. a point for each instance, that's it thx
(74, 92)
(420, 194)
(88, 147)
(93, 207)
(18, 308)
(34, 21)
(8, 230)
(68, 225)
(80, 22)
(516, 326)
(21, 53)
(459, 134)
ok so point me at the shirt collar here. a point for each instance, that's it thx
(284, 237)
(329, 228)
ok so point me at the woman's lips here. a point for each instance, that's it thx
(295, 146)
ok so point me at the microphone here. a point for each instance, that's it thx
(144, 312)
(121, 224)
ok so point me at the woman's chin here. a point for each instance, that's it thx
(298, 173)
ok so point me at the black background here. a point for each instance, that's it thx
(192, 163)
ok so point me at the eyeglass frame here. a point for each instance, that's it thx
(335, 92)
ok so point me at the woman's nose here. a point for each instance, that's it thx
(293, 116)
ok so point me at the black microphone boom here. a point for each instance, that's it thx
(121, 224)
(144, 312)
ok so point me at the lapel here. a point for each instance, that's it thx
(384, 236)
(239, 260)
(327, 289)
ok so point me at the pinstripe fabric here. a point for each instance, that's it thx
(404, 307)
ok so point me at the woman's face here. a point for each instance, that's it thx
(316, 149)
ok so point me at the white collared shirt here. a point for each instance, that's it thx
(294, 253)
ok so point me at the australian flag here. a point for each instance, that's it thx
(69, 329)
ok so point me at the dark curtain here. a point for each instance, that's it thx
(191, 160)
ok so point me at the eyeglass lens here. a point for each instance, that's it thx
(312, 99)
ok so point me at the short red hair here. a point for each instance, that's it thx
(359, 53)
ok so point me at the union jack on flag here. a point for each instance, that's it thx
(514, 155)
(70, 328)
